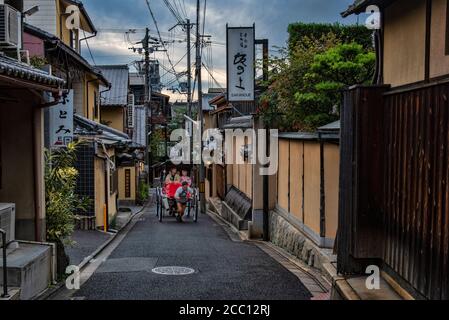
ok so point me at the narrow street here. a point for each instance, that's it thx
(224, 269)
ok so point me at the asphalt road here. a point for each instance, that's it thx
(224, 269)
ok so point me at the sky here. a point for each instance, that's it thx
(113, 17)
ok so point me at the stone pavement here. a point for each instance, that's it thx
(87, 242)
(223, 269)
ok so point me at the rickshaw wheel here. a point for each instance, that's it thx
(161, 209)
(161, 214)
(195, 218)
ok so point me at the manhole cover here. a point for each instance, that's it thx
(173, 271)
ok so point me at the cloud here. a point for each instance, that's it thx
(271, 17)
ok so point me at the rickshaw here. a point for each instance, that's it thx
(165, 197)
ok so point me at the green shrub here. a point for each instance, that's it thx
(62, 202)
(144, 192)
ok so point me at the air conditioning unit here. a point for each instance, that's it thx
(8, 220)
(130, 112)
(10, 27)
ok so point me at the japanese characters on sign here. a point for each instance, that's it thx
(61, 123)
(241, 64)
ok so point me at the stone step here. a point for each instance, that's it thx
(29, 268)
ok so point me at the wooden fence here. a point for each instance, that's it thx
(308, 183)
(394, 201)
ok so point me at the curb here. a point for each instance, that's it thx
(51, 291)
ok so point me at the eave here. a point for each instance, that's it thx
(360, 6)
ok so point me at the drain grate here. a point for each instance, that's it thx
(173, 271)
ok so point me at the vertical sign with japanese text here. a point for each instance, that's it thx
(241, 64)
(61, 123)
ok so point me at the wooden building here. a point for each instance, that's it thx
(395, 154)
(25, 93)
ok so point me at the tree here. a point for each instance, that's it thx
(304, 90)
(288, 76)
(330, 73)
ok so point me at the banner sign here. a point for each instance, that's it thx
(241, 71)
(61, 123)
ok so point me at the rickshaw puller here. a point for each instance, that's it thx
(182, 197)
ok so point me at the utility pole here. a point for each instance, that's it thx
(200, 106)
(189, 70)
(148, 109)
(189, 82)
(266, 178)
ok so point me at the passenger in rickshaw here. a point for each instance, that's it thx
(183, 196)
(185, 177)
(173, 176)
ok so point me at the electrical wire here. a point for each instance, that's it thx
(88, 48)
(160, 38)
(215, 80)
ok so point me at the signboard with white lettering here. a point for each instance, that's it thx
(241, 64)
(61, 123)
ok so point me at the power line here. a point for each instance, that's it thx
(175, 12)
(215, 80)
(160, 38)
(88, 48)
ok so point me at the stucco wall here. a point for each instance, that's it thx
(332, 185)
(114, 116)
(439, 60)
(84, 97)
(242, 174)
(301, 161)
(312, 182)
(404, 42)
(18, 165)
(100, 197)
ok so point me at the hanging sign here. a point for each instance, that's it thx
(61, 123)
(241, 71)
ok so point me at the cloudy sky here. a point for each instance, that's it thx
(272, 17)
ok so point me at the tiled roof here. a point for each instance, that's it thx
(86, 127)
(118, 77)
(15, 69)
